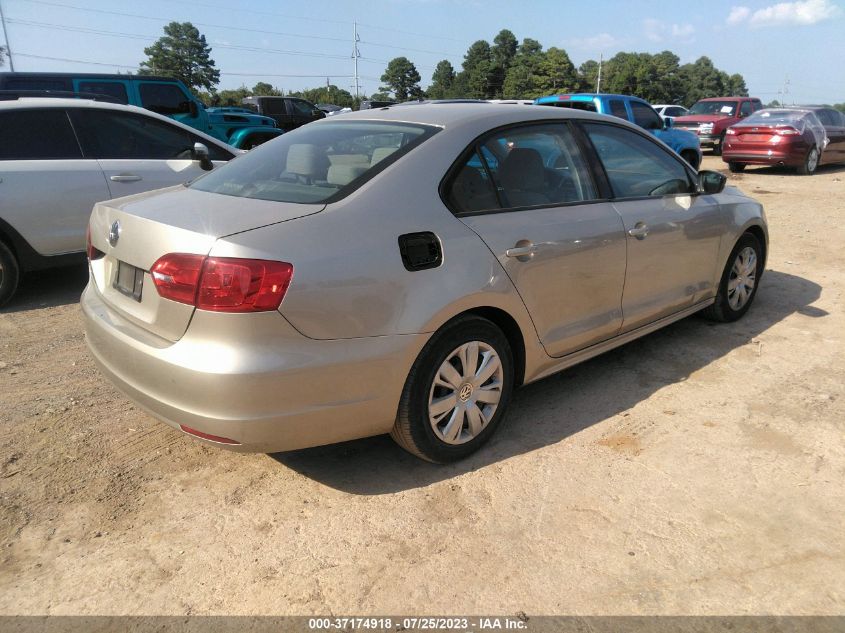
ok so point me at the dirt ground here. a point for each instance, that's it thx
(696, 471)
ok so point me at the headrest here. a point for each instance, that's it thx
(342, 175)
(305, 159)
(380, 153)
(522, 169)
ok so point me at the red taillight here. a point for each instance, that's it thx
(787, 131)
(177, 275)
(222, 284)
(93, 253)
(207, 436)
(730, 131)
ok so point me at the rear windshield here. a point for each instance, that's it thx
(775, 117)
(726, 108)
(315, 163)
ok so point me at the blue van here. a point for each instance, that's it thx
(163, 95)
(637, 111)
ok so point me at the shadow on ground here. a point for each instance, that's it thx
(577, 398)
(49, 288)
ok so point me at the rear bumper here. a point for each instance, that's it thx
(791, 157)
(254, 378)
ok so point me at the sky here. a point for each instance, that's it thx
(793, 47)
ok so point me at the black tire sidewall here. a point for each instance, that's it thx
(729, 313)
(10, 276)
(473, 329)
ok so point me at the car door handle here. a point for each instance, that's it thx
(125, 178)
(639, 231)
(521, 251)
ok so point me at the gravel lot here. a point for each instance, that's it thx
(698, 470)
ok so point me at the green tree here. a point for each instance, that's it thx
(327, 94)
(522, 78)
(263, 89)
(231, 97)
(736, 86)
(441, 81)
(182, 53)
(402, 79)
(502, 53)
(2, 56)
(700, 80)
(478, 71)
(556, 73)
(588, 73)
(839, 106)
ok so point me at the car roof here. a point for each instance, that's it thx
(110, 76)
(29, 103)
(447, 115)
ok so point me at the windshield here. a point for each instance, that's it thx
(315, 163)
(775, 117)
(726, 108)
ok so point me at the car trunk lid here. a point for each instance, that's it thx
(133, 233)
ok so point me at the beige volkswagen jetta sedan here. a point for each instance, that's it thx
(402, 270)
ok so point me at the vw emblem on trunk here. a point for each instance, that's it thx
(114, 233)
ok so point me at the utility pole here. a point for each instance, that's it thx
(598, 83)
(355, 55)
(6, 37)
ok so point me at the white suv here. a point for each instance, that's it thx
(60, 156)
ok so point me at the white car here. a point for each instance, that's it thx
(58, 157)
(667, 111)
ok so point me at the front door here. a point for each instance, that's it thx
(673, 233)
(528, 194)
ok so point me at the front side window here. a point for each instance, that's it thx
(165, 99)
(273, 106)
(112, 89)
(316, 163)
(617, 108)
(537, 165)
(636, 166)
(116, 134)
(300, 108)
(645, 116)
(675, 111)
(37, 134)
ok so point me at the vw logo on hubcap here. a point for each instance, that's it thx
(466, 392)
(114, 233)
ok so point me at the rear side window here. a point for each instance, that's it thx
(316, 163)
(645, 116)
(745, 108)
(36, 83)
(273, 106)
(829, 118)
(37, 134)
(587, 106)
(165, 99)
(675, 111)
(617, 108)
(636, 166)
(530, 166)
(109, 88)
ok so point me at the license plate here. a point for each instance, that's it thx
(129, 280)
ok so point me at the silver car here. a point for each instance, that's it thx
(403, 270)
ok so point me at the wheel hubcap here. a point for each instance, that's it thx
(813, 160)
(743, 278)
(465, 393)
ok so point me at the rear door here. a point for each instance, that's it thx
(673, 235)
(137, 152)
(527, 192)
(834, 126)
(47, 189)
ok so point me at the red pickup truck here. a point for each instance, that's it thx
(709, 118)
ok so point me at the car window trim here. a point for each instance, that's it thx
(613, 197)
(474, 146)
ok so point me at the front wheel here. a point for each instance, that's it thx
(9, 274)
(736, 167)
(739, 282)
(811, 162)
(457, 391)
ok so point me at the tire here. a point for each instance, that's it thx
(435, 435)
(730, 305)
(9, 274)
(717, 149)
(736, 167)
(691, 158)
(811, 162)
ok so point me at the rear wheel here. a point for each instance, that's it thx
(739, 282)
(811, 162)
(9, 274)
(457, 391)
(736, 167)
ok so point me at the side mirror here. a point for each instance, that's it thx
(711, 182)
(192, 108)
(667, 122)
(201, 154)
